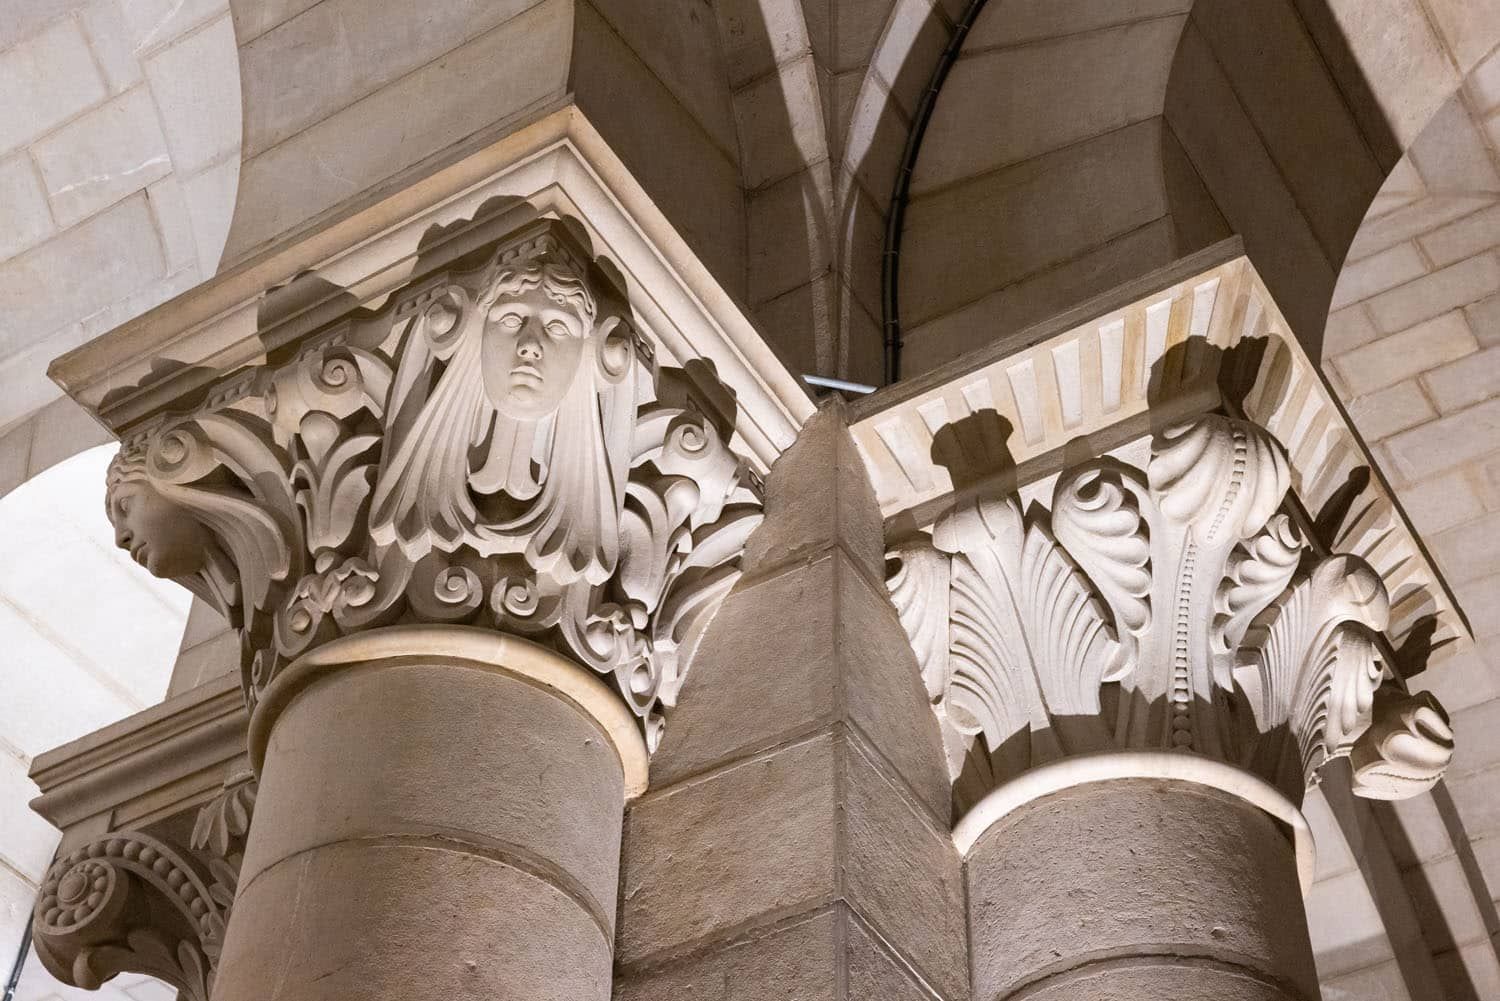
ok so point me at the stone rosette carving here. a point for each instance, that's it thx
(493, 447)
(132, 902)
(1175, 607)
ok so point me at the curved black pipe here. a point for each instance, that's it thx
(15, 971)
(890, 258)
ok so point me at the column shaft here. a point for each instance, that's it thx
(1137, 890)
(428, 828)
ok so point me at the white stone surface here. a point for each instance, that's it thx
(16, 897)
(121, 123)
(1406, 353)
(28, 220)
(102, 156)
(201, 120)
(26, 840)
(1347, 931)
(46, 81)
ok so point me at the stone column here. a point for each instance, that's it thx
(1137, 889)
(469, 554)
(439, 817)
(1135, 689)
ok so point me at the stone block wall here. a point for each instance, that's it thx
(1413, 347)
(119, 149)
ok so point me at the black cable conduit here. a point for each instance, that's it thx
(890, 258)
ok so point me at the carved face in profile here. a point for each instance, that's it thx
(158, 534)
(532, 349)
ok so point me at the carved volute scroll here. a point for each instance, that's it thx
(1175, 607)
(132, 902)
(490, 448)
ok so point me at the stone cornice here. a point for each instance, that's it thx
(154, 763)
(1203, 335)
(558, 166)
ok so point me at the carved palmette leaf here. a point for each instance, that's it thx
(334, 483)
(917, 578)
(1029, 643)
(1256, 575)
(1074, 649)
(1096, 515)
(1310, 663)
(1221, 478)
(684, 525)
(987, 693)
(704, 576)
(1406, 748)
(656, 535)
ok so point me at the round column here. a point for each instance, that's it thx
(439, 817)
(1100, 879)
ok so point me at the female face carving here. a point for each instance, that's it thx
(530, 354)
(160, 536)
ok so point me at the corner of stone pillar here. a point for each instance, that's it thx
(819, 496)
(795, 841)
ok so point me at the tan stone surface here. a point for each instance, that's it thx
(836, 806)
(375, 860)
(1097, 872)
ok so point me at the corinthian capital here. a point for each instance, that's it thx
(492, 447)
(1171, 607)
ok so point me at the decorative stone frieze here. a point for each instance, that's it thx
(494, 446)
(1172, 607)
(132, 901)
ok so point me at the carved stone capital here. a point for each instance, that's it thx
(1171, 607)
(494, 445)
(133, 902)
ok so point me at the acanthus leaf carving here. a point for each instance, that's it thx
(1096, 515)
(218, 839)
(1172, 607)
(1258, 571)
(486, 449)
